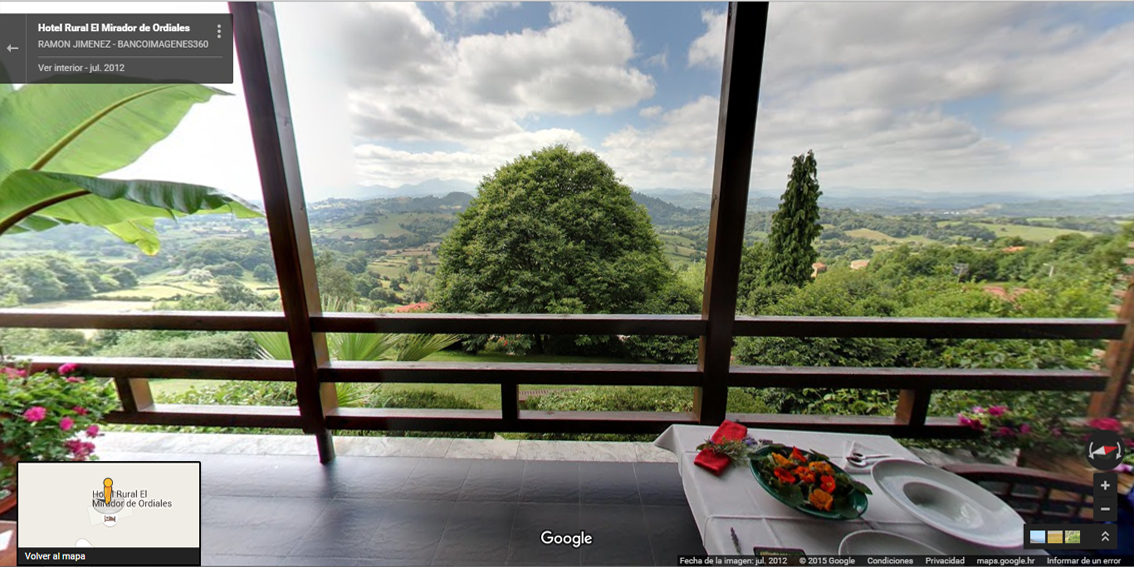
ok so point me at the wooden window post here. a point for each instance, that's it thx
(736, 130)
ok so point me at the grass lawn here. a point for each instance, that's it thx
(1029, 233)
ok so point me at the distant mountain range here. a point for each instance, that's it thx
(890, 201)
(437, 187)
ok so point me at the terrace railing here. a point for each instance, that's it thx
(315, 375)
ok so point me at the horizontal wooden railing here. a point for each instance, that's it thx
(915, 384)
(676, 325)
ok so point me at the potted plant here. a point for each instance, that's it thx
(47, 416)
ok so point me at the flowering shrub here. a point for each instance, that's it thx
(1006, 429)
(48, 416)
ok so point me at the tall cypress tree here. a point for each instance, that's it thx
(795, 226)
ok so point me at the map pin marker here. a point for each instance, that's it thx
(106, 491)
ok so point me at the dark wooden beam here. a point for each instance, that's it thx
(912, 378)
(1119, 361)
(512, 373)
(505, 323)
(680, 325)
(134, 393)
(191, 368)
(913, 406)
(928, 328)
(265, 91)
(736, 130)
(149, 320)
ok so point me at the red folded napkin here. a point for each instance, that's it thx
(715, 462)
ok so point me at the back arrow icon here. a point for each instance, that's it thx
(10, 48)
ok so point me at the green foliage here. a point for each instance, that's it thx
(553, 231)
(41, 414)
(358, 346)
(59, 138)
(44, 342)
(335, 282)
(417, 347)
(55, 276)
(795, 226)
(177, 344)
(264, 273)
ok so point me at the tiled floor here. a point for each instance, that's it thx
(291, 510)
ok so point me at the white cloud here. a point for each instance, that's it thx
(708, 49)
(382, 165)
(409, 83)
(473, 12)
(658, 60)
(678, 153)
(864, 85)
(650, 111)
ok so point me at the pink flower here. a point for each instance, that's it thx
(1106, 424)
(68, 368)
(92, 431)
(80, 449)
(977, 425)
(1004, 432)
(1124, 468)
(66, 424)
(961, 419)
(996, 410)
(13, 373)
(74, 379)
(35, 413)
(80, 410)
(1025, 429)
(978, 409)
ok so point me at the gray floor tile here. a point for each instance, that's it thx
(479, 531)
(659, 484)
(532, 519)
(608, 483)
(288, 476)
(370, 477)
(619, 535)
(550, 481)
(240, 525)
(436, 479)
(243, 560)
(411, 530)
(493, 481)
(346, 528)
(341, 562)
(673, 532)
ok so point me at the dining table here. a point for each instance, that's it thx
(735, 502)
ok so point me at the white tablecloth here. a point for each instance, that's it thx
(735, 501)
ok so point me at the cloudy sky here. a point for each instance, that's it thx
(1021, 97)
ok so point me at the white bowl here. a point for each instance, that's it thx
(950, 503)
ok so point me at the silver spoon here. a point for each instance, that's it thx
(860, 460)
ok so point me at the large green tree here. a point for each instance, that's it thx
(795, 226)
(551, 232)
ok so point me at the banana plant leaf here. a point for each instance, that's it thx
(55, 140)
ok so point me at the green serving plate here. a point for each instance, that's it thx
(857, 499)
